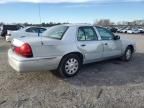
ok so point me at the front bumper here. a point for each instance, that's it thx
(21, 64)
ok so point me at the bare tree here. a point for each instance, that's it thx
(103, 22)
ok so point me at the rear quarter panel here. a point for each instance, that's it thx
(55, 48)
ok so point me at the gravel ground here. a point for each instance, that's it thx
(108, 84)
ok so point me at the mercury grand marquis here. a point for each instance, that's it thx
(65, 48)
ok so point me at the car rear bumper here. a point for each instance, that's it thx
(32, 65)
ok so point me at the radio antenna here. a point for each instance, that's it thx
(39, 8)
(39, 11)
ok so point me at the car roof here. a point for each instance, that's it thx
(35, 27)
(76, 25)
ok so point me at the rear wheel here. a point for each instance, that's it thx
(128, 54)
(69, 66)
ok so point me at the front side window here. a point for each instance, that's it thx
(86, 34)
(56, 32)
(105, 34)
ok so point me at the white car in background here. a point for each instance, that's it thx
(141, 30)
(25, 32)
(133, 31)
(124, 30)
(66, 48)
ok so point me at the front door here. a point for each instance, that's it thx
(111, 47)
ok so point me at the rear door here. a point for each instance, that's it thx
(88, 43)
(111, 47)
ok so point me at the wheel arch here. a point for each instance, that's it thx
(132, 47)
(75, 53)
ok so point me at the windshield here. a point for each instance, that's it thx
(56, 32)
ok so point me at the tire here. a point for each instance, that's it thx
(69, 66)
(128, 54)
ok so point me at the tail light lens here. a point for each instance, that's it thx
(25, 50)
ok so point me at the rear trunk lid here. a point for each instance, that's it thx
(41, 46)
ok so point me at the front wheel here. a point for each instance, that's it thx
(128, 54)
(69, 66)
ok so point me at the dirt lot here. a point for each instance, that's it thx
(108, 84)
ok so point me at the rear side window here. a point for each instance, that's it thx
(57, 32)
(86, 34)
(32, 30)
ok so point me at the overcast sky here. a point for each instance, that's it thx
(73, 11)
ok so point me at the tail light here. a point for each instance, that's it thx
(25, 50)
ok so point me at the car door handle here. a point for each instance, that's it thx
(83, 45)
(106, 44)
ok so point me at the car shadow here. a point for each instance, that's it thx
(111, 72)
(107, 73)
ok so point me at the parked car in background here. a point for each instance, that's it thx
(122, 30)
(141, 30)
(25, 32)
(119, 30)
(7, 28)
(66, 48)
(125, 30)
(113, 29)
(133, 31)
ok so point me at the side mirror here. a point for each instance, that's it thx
(116, 37)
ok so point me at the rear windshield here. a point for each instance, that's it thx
(56, 32)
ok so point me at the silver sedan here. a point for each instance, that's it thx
(66, 48)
